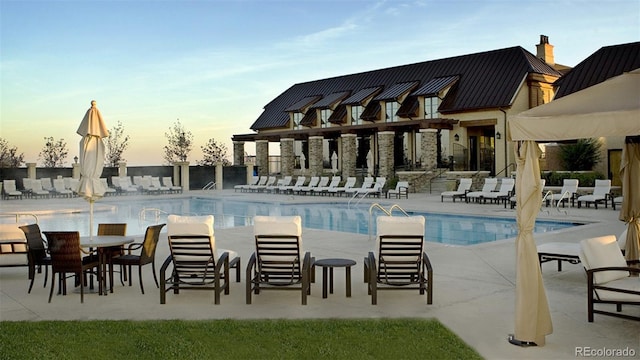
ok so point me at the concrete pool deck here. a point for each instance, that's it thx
(474, 286)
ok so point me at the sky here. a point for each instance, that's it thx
(213, 65)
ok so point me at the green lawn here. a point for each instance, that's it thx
(232, 339)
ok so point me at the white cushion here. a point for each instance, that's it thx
(627, 283)
(277, 225)
(12, 232)
(192, 225)
(560, 248)
(400, 225)
(600, 252)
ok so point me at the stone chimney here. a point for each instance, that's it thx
(545, 50)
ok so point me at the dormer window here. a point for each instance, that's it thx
(391, 110)
(297, 118)
(431, 104)
(324, 117)
(356, 111)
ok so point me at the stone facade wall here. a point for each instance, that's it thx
(429, 148)
(262, 157)
(238, 153)
(287, 157)
(385, 153)
(348, 155)
(315, 155)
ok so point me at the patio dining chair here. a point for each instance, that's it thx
(37, 253)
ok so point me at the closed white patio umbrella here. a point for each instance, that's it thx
(92, 155)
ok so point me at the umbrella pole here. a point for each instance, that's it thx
(91, 217)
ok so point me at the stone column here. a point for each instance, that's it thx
(385, 153)
(349, 152)
(219, 177)
(249, 173)
(122, 170)
(262, 157)
(315, 155)
(31, 170)
(287, 157)
(429, 148)
(181, 172)
(238, 153)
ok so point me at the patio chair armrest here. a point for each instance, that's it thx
(614, 268)
(223, 260)
(426, 262)
(306, 262)
(134, 246)
(163, 269)
(371, 260)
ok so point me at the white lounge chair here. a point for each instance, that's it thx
(242, 187)
(313, 183)
(616, 201)
(490, 185)
(60, 190)
(567, 193)
(279, 261)
(37, 190)
(512, 199)
(375, 190)
(463, 187)
(398, 260)
(299, 183)
(261, 184)
(503, 193)
(401, 190)
(270, 181)
(608, 277)
(601, 194)
(155, 182)
(285, 181)
(367, 184)
(47, 184)
(349, 184)
(321, 190)
(9, 189)
(167, 182)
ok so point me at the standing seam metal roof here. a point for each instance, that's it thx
(487, 80)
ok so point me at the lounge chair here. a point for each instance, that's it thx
(262, 183)
(108, 190)
(271, 180)
(167, 182)
(375, 190)
(72, 184)
(321, 190)
(37, 190)
(279, 262)
(285, 181)
(244, 187)
(313, 183)
(123, 185)
(155, 182)
(287, 188)
(503, 193)
(146, 186)
(196, 262)
(60, 190)
(47, 184)
(608, 277)
(398, 261)
(490, 185)
(348, 184)
(512, 200)
(463, 188)
(367, 184)
(9, 190)
(567, 193)
(601, 194)
(616, 201)
(401, 190)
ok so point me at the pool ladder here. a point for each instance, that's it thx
(388, 212)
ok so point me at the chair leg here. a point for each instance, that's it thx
(140, 277)
(53, 283)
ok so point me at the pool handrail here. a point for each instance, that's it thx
(17, 215)
(389, 212)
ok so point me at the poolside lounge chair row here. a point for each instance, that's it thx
(505, 193)
(280, 262)
(317, 185)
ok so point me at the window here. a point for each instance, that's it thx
(324, 117)
(391, 110)
(356, 111)
(297, 117)
(431, 107)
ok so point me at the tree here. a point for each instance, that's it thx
(54, 153)
(214, 153)
(180, 143)
(584, 154)
(116, 144)
(9, 157)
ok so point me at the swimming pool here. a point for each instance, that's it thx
(443, 228)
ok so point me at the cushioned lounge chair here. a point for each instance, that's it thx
(167, 182)
(321, 190)
(270, 181)
(196, 262)
(504, 192)
(398, 261)
(401, 190)
(601, 194)
(489, 185)
(279, 261)
(245, 187)
(289, 188)
(463, 188)
(285, 181)
(348, 184)
(313, 183)
(608, 278)
(367, 184)
(9, 190)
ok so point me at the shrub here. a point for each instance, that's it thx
(582, 155)
(585, 178)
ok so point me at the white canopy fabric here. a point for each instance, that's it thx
(92, 154)
(610, 108)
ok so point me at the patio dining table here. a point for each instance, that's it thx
(101, 243)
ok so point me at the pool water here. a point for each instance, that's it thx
(441, 228)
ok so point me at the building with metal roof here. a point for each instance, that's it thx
(413, 118)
